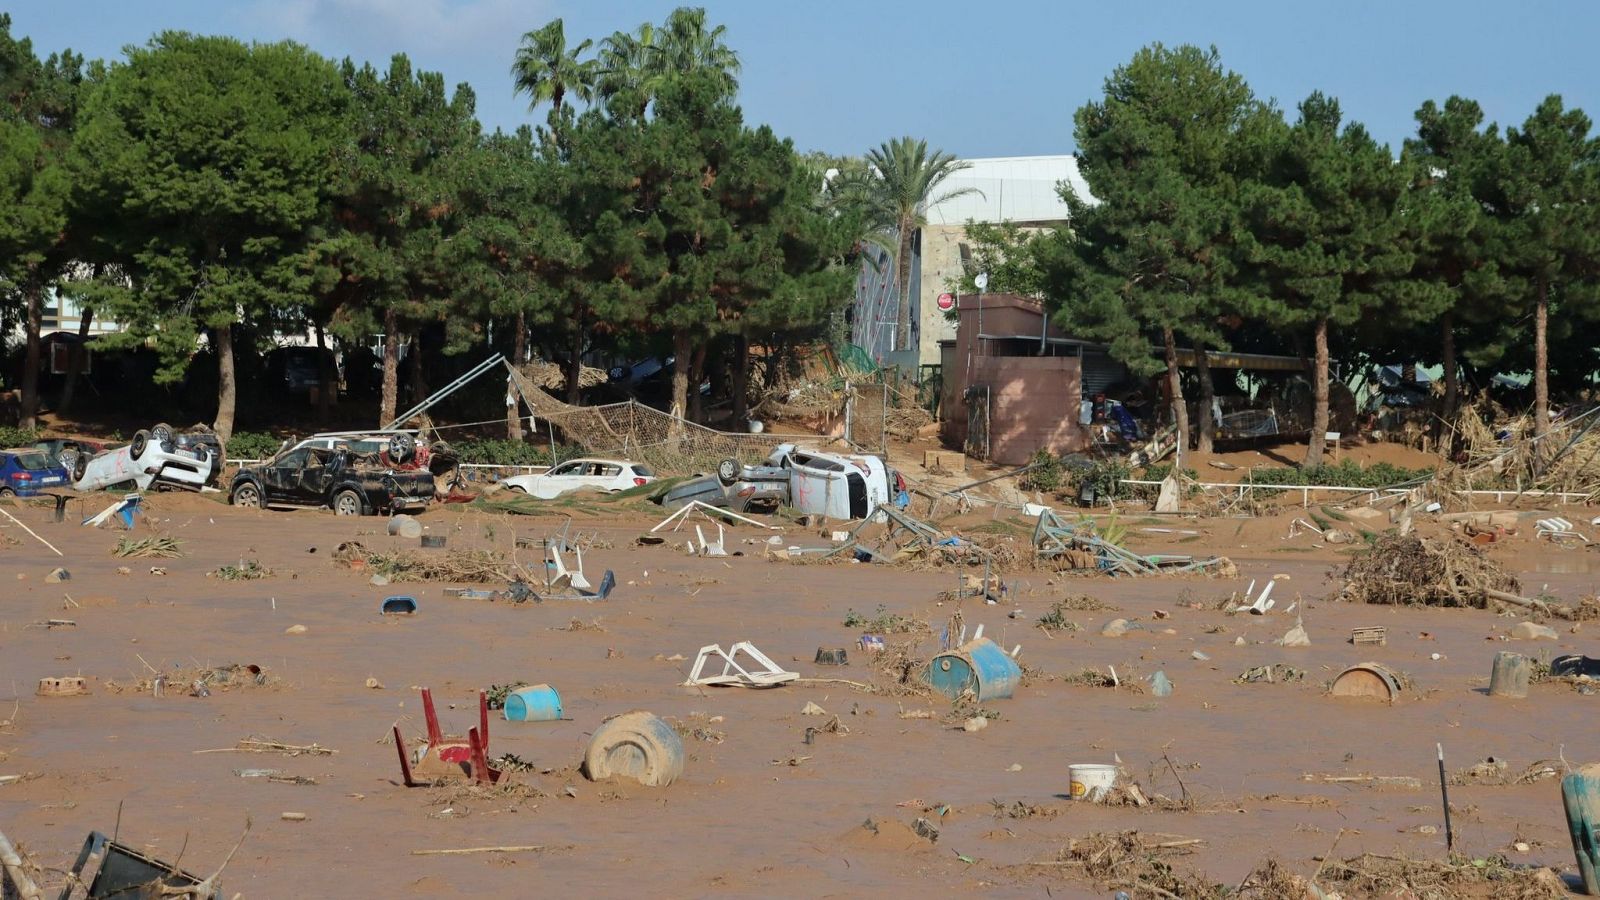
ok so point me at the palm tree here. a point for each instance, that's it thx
(686, 46)
(635, 64)
(907, 177)
(547, 71)
(626, 66)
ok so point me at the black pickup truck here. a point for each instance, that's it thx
(351, 484)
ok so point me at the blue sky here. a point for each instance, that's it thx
(979, 79)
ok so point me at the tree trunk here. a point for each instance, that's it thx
(391, 368)
(575, 360)
(75, 358)
(419, 386)
(327, 378)
(697, 377)
(519, 354)
(227, 389)
(1452, 385)
(1180, 414)
(741, 378)
(30, 365)
(1541, 361)
(902, 330)
(681, 351)
(1208, 393)
(1319, 400)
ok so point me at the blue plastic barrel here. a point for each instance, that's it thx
(979, 666)
(535, 703)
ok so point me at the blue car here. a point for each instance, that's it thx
(24, 473)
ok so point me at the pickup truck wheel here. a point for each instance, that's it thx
(247, 497)
(347, 503)
(728, 471)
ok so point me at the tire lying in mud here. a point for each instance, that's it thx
(636, 745)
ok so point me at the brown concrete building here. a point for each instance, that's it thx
(1015, 384)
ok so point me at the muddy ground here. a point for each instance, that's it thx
(757, 809)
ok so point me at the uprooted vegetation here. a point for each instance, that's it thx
(884, 622)
(157, 547)
(1143, 865)
(454, 566)
(1406, 570)
(246, 570)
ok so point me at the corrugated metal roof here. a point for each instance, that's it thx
(1012, 189)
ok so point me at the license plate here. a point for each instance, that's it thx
(52, 481)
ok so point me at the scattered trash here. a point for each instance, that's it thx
(442, 757)
(979, 667)
(58, 575)
(1117, 628)
(433, 542)
(404, 526)
(293, 817)
(636, 745)
(1090, 781)
(1557, 529)
(399, 606)
(1082, 547)
(296, 629)
(1199, 655)
(763, 673)
(535, 703)
(1367, 681)
(1296, 637)
(1273, 674)
(64, 686)
(374, 683)
(836, 657)
(1370, 634)
(1160, 685)
(811, 709)
(1509, 676)
(711, 548)
(1533, 631)
(976, 723)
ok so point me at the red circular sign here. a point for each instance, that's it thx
(946, 301)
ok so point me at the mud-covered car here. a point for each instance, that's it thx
(350, 484)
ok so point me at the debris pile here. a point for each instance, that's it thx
(452, 566)
(1080, 545)
(1414, 571)
(196, 682)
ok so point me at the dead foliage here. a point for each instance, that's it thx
(1138, 863)
(158, 547)
(507, 794)
(1277, 673)
(581, 625)
(246, 570)
(697, 726)
(899, 667)
(1378, 875)
(1497, 772)
(1407, 570)
(1020, 810)
(1096, 678)
(196, 681)
(454, 566)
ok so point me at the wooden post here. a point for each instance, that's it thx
(1510, 675)
(1580, 792)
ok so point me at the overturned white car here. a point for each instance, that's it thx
(158, 457)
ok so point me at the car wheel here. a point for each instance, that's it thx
(162, 435)
(246, 496)
(79, 466)
(728, 471)
(7, 492)
(347, 503)
(136, 446)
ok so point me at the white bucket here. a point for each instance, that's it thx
(1091, 782)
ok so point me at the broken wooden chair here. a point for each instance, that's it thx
(447, 757)
(762, 673)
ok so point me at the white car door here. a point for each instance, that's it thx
(563, 478)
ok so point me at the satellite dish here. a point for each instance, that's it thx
(982, 281)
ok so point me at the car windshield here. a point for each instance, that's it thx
(31, 462)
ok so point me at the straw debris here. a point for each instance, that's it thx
(1413, 571)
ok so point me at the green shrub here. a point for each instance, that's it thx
(1345, 473)
(496, 452)
(252, 445)
(1046, 474)
(17, 437)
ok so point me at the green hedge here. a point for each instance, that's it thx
(253, 445)
(17, 437)
(493, 452)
